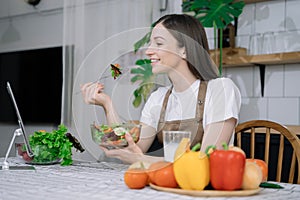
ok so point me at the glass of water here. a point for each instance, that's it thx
(171, 141)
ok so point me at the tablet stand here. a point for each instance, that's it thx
(5, 165)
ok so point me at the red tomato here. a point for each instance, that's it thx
(136, 178)
(162, 174)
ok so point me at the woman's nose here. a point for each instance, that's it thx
(149, 51)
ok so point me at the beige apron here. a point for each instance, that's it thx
(195, 125)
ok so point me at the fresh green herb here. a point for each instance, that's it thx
(270, 185)
(49, 146)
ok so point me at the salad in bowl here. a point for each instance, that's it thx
(114, 136)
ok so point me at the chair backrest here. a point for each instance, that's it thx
(247, 135)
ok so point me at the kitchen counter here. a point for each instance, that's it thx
(97, 181)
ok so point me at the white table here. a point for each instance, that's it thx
(101, 181)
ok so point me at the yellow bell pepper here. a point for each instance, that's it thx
(191, 170)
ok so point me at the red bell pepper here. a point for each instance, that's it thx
(226, 169)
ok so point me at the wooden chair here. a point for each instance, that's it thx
(247, 137)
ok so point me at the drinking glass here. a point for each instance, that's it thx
(171, 141)
(255, 44)
(269, 43)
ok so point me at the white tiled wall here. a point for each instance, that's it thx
(281, 100)
(292, 80)
(292, 17)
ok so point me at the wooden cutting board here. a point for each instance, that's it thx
(207, 193)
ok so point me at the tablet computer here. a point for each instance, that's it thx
(21, 124)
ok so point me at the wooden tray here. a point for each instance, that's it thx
(207, 193)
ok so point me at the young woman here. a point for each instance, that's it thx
(197, 100)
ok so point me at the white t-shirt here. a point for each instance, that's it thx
(222, 101)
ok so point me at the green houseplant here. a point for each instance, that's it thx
(217, 14)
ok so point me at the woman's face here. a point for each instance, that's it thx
(163, 50)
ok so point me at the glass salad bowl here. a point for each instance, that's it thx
(49, 147)
(43, 155)
(114, 136)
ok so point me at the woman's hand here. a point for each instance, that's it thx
(93, 94)
(129, 154)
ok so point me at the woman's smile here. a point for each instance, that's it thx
(163, 50)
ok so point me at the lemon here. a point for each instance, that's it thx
(183, 147)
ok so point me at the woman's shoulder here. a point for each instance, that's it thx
(221, 82)
(159, 93)
(222, 85)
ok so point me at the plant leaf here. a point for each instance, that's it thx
(136, 78)
(143, 73)
(138, 70)
(222, 12)
(137, 101)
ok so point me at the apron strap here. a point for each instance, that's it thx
(201, 100)
(164, 106)
(157, 146)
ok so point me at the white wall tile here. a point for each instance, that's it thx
(292, 20)
(292, 80)
(280, 81)
(284, 110)
(243, 78)
(274, 81)
(269, 16)
(246, 20)
(253, 108)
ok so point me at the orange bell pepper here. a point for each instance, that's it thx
(226, 169)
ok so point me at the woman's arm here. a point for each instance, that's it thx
(217, 133)
(93, 94)
(147, 137)
(221, 112)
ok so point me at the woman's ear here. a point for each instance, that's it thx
(183, 53)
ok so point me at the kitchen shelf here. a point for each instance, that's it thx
(265, 59)
(241, 59)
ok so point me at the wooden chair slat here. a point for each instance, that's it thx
(252, 142)
(280, 158)
(269, 128)
(267, 146)
(293, 166)
(239, 139)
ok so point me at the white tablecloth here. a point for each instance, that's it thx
(102, 181)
